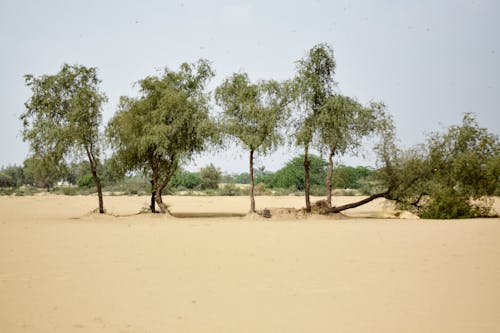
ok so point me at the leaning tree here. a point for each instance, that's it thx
(252, 114)
(312, 86)
(62, 118)
(164, 126)
(450, 176)
(458, 170)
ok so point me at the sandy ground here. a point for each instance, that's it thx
(63, 269)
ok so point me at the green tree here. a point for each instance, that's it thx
(458, 170)
(15, 174)
(252, 114)
(292, 174)
(185, 179)
(242, 178)
(62, 118)
(342, 124)
(210, 177)
(450, 176)
(5, 180)
(41, 172)
(164, 126)
(387, 179)
(312, 86)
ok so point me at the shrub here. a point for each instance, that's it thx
(229, 190)
(210, 177)
(85, 181)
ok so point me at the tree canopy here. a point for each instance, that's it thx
(164, 126)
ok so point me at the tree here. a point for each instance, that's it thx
(62, 118)
(12, 176)
(252, 114)
(292, 174)
(210, 177)
(387, 178)
(189, 180)
(342, 123)
(164, 126)
(450, 176)
(461, 169)
(312, 86)
(37, 173)
(5, 180)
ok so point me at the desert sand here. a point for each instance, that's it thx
(66, 269)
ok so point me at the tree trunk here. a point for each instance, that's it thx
(97, 180)
(252, 198)
(159, 189)
(307, 181)
(159, 201)
(329, 180)
(152, 205)
(358, 203)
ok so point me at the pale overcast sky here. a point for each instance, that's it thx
(429, 61)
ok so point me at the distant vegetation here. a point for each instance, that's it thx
(154, 134)
(209, 180)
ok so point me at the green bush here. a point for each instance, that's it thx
(22, 191)
(292, 174)
(186, 180)
(448, 204)
(85, 181)
(7, 190)
(210, 177)
(229, 190)
(318, 190)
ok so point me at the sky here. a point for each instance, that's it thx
(429, 61)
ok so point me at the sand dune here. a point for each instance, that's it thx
(65, 269)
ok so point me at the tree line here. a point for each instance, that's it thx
(171, 120)
(77, 179)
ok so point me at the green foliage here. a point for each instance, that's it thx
(40, 172)
(6, 180)
(11, 176)
(348, 177)
(7, 190)
(185, 179)
(342, 122)
(62, 120)
(165, 126)
(242, 178)
(131, 185)
(310, 89)
(210, 177)
(252, 113)
(292, 174)
(231, 190)
(446, 203)
(63, 113)
(449, 176)
(85, 181)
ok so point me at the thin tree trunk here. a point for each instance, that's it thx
(307, 181)
(252, 197)
(152, 205)
(329, 179)
(97, 180)
(358, 203)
